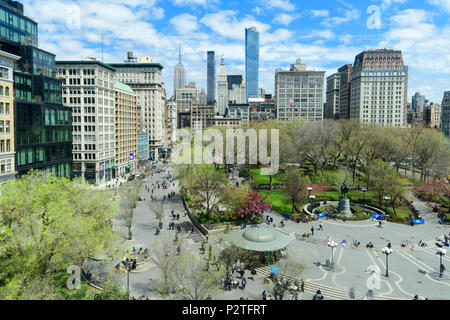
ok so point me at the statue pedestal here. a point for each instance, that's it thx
(344, 206)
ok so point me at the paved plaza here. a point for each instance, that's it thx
(412, 269)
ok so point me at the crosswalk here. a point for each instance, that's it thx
(327, 291)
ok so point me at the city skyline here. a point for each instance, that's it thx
(325, 35)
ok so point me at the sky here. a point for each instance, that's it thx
(325, 34)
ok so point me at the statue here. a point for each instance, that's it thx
(344, 189)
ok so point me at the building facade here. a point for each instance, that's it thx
(251, 62)
(16, 27)
(432, 115)
(171, 123)
(333, 95)
(222, 89)
(418, 102)
(241, 111)
(262, 109)
(89, 90)
(145, 79)
(345, 85)
(445, 114)
(200, 115)
(202, 97)
(143, 150)
(126, 128)
(299, 93)
(7, 150)
(179, 76)
(184, 97)
(211, 78)
(379, 88)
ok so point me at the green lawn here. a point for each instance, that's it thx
(264, 179)
(280, 202)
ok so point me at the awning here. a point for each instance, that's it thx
(128, 166)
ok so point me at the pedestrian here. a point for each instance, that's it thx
(320, 226)
(318, 295)
(264, 296)
(179, 228)
(306, 219)
(185, 213)
(302, 286)
(178, 216)
(312, 230)
(244, 283)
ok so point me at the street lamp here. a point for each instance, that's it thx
(364, 190)
(387, 198)
(332, 244)
(441, 252)
(387, 251)
(309, 190)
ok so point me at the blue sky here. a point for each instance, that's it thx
(325, 34)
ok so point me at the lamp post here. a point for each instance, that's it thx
(441, 252)
(386, 198)
(387, 251)
(364, 190)
(332, 244)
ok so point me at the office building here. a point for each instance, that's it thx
(126, 128)
(251, 62)
(184, 96)
(432, 116)
(89, 90)
(7, 150)
(299, 93)
(379, 88)
(202, 98)
(333, 95)
(445, 114)
(234, 80)
(16, 27)
(143, 150)
(345, 78)
(241, 111)
(145, 78)
(179, 76)
(262, 109)
(229, 122)
(171, 123)
(200, 115)
(211, 78)
(418, 102)
(222, 89)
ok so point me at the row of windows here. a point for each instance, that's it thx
(5, 166)
(5, 126)
(4, 108)
(5, 145)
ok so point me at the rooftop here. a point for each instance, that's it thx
(86, 62)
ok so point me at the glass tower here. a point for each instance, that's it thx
(251, 61)
(211, 78)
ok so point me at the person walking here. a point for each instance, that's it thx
(244, 283)
(302, 285)
(264, 296)
(320, 226)
(312, 230)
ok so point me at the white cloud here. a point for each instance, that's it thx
(185, 23)
(444, 4)
(278, 4)
(320, 13)
(191, 2)
(385, 4)
(349, 15)
(285, 19)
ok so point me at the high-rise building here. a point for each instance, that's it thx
(179, 76)
(184, 96)
(88, 89)
(7, 150)
(237, 94)
(299, 93)
(42, 125)
(126, 128)
(251, 62)
(333, 95)
(143, 151)
(145, 79)
(202, 97)
(171, 123)
(222, 89)
(432, 116)
(234, 80)
(345, 75)
(379, 88)
(418, 102)
(211, 78)
(445, 114)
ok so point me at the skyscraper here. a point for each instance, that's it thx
(251, 61)
(445, 114)
(179, 75)
(332, 104)
(289, 103)
(222, 89)
(379, 88)
(345, 74)
(211, 78)
(418, 102)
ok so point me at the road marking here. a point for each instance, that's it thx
(342, 272)
(387, 283)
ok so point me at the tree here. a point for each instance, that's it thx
(253, 207)
(290, 269)
(193, 281)
(228, 257)
(128, 202)
(208, 184)
(295, 187)
(158, 208)
(47, 224)
(383, 179)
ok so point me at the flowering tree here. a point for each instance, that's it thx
(254, 205)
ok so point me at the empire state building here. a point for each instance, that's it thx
(179, 76)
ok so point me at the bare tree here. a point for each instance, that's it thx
(295, 187)
(128, 202)
(158, 207)
(193, 281)
(290, 270)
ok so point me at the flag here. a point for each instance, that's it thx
(291, 101)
